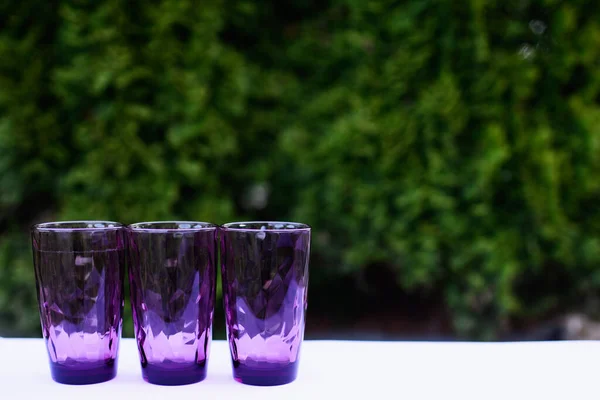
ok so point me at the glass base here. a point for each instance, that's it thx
(173, 374)
(265, 374)
(84, 373)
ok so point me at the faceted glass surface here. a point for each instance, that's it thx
(172, 279)
(265, 280)
(79, 269)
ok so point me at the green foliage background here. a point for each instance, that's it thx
(457, 143)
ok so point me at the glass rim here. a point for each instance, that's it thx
(77, 226)
(171, 226)
(271, 226)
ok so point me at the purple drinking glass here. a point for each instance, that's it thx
(265, 280)
(79, 269)
(172, 278)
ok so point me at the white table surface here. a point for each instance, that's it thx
(341, 370)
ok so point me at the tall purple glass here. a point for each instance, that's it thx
(172, 276)
(79, 268)
(265, 280)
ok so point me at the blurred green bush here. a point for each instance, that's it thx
(455, 142)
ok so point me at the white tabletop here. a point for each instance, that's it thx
(338, 370)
